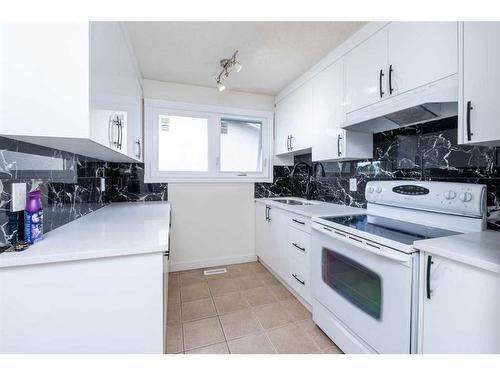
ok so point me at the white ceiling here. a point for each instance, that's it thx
(273, 54)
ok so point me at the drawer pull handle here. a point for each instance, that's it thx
(299, 280)
(340, 234)
(299, 222)
(298, 247)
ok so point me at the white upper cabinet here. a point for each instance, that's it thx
(400, 57)
(366, 71)
(44, 79)
(479, 110)
(329, 141)
(70, 86)
(420, 53)
(115, 92)
(293, 121)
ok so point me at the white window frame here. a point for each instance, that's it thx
(155, 107)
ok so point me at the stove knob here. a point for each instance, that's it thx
(465, 197)
(378, 189)
(450, 194)
(370, 189)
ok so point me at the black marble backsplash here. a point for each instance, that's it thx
(71, 185)
(423, 152)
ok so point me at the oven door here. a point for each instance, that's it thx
(368, 290)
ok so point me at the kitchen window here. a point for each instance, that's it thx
(192, 143)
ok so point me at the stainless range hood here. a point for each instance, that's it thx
(431, 102)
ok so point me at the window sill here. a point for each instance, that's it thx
(247, 179)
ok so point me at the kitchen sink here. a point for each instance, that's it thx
(293, 202)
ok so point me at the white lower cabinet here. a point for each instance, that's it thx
(108, 305)
(283, 244)
(298, 253)
(454, 317)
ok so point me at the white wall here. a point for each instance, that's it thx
(206, 95)
(212, 224)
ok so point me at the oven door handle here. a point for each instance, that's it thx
(358, 242)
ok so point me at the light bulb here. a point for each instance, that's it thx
(237, 66)
(220, 86)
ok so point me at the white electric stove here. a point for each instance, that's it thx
(365, 268)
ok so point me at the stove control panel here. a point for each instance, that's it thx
(409, 190)
(450, 197)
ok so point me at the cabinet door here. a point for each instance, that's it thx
(134, 135)
(44, 79)
(293, 119)
(327, 112)
(480, 83)
(363, 67)
(282, 126)
(278, 240)
(462, 314)
(263, 238)
(114, 86)
(421, 53)
(302, 124)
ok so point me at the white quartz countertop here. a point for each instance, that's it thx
(114, 230)
(479, 249)
(315, 209)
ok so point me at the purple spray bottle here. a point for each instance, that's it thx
(33, 218)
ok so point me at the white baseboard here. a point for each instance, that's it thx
(204, 263)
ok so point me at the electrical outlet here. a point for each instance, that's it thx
(18, 197)
(353, 184)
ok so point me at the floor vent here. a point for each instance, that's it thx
(214, 271)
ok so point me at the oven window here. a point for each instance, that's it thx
(356, 283)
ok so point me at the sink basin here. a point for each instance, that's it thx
(293, 202)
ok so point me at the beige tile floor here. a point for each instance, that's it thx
(244, 311)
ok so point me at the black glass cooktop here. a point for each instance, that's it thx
(396, 230)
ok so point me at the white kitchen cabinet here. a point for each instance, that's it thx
(330, 142)
(365, 69)
(399, 58)
(92, 306)
(78, 79)
(420, 53)
(270, 225)
(298, 252)
(282, 241)
(479, 79)
(293, 119)
(461, 315)
(263, 233)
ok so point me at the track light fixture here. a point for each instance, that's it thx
(228, 65)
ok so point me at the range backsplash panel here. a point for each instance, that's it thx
(71, 185)
(422, 152)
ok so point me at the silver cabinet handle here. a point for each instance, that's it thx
(139, 149)
(115, 121)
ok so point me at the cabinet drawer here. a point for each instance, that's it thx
(300, 222)
(299, 279)
(299, 242)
